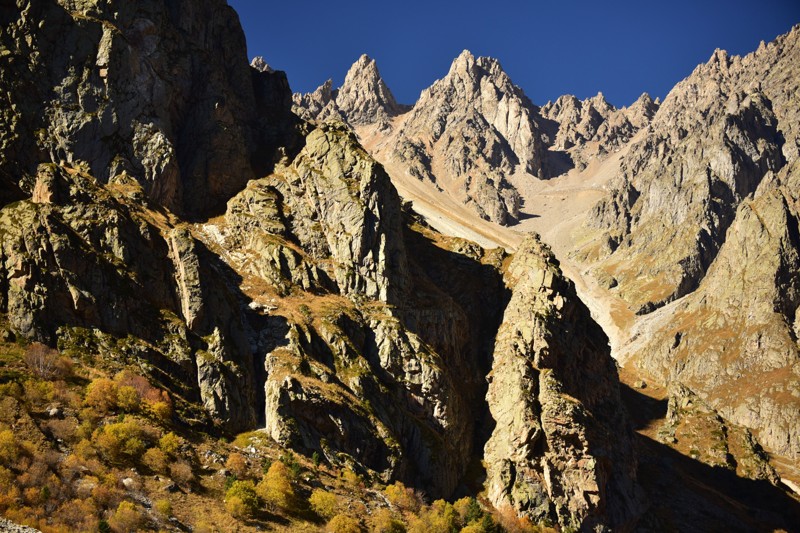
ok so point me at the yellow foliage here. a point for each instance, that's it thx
(101, 395)
(162, 411)
(9, 449)
(241, 500)
(169, 443)
(156, 460)
(383, 521)
(342, 523)
(121, 441)
(275, 488)
(403, 497)
(163, 507)
(126, 518)
(323, 503)
(128, 399)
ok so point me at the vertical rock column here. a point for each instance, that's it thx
(561, 449)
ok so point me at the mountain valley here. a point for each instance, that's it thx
(227, 307)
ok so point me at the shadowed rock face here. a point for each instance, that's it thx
(562, 449)
(159, 90)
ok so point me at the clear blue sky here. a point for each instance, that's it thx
(548, 48)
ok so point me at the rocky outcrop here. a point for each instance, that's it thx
(743, 320)
(162, 93)
(90, 267)
(363, 99)
(711, 143)
(593, 128)
(562, 449)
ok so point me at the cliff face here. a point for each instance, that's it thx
(562, 448)
(160, 91)
(718, 133)
(704, 212)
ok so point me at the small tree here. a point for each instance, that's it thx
(383, 521)
(9, 449)
(241, 500)
(275, 488)
(169, 443)
(323, 503)
(237, 464)
(101, 395)
(156, 460)
(343, 523)
(126, 518)
(46, 363)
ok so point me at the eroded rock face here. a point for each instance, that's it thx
(160, 91)
(743, 320)
(711, 143)
(90, 267)
(593, 128)
(473, 127)
(562, 448)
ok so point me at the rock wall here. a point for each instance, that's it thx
(161, 91)
(562, 449)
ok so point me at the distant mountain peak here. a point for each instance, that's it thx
(363, 98)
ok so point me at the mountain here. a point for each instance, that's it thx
(703, 214)
(364, 98)
(677, 220)
(474, 135)
(202, 264)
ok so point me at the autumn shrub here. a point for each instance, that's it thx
(156, 460)
(126, 518)
(439, 517)
(37, 393)
(384, 521)
(9, 449)
(275, 487)
(237, 464)
(402, 497)
(181, 473)
(121, 442)
(170, 443)
(343, 523)
(161, 411)
(323, 503)
(241, 500)
(128, 399)
(101, 395)
(163, 507)
(78, 514)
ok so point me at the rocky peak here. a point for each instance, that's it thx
(364, 97)
(642, 111)
(478, 128)
(260, 64)
(320, 104)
